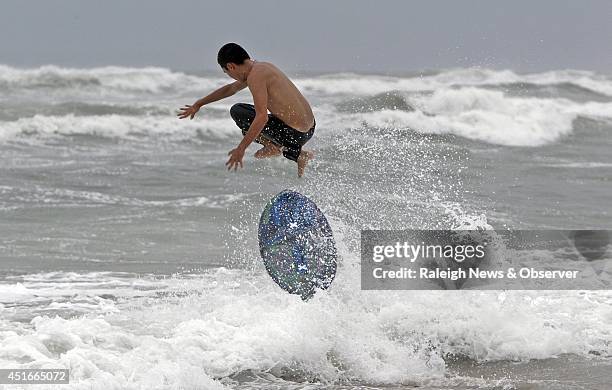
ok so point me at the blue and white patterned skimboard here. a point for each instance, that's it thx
(296, 244)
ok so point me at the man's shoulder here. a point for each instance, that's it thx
(264, 70)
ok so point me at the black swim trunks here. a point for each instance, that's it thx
(275, 130)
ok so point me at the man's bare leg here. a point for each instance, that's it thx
(270, 149)
(302, 161)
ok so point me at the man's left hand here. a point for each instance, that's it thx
(235, 159)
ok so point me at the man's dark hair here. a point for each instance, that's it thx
(231, 52)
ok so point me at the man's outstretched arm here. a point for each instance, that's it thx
(221, 93)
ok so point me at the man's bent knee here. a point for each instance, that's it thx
(235, 111)
(241, 112)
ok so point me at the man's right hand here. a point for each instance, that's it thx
(188, 111)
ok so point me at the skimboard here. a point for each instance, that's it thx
(297, 245)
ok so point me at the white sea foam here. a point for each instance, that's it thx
(223, 322)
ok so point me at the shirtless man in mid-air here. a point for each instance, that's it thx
(285, 130)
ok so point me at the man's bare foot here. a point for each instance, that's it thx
(303, 160)
(269, 150)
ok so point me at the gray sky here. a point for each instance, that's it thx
(311, 35)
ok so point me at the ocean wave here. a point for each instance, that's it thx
(108, 80)
(579, 165)
(484, 115)
(47, 197)
(121, 126)
(474, 113)
(351, 84)
(392, 100)
(111, 80)
(564, 90)
(15, 111)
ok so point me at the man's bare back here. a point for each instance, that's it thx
(285, 101)
(291, 122)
